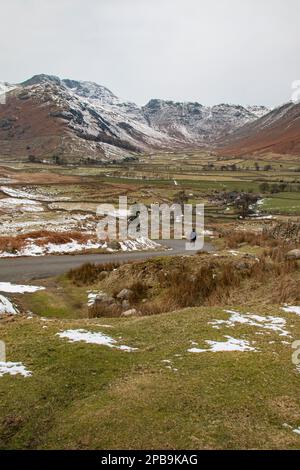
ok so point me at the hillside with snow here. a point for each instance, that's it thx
(47, 119)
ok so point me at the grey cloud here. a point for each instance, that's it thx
(219, 51)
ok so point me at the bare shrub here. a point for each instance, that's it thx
(288, 291)
(99, 309)
(90, 273)
(139, 291)
(234, 239)
(215, 283)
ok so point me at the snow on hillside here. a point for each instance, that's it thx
(14, 368)
(194, 122)
(93, 338)
(96, 115)
(34, 248)
(103, 126)
(258, 111)
(6, 307)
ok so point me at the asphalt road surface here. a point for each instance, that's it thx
(27, 269)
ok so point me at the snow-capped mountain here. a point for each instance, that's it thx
(49, 119)
(195, 123)
(277, 132)
(258, 111)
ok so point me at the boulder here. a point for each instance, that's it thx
(104, 298)
(124, 294)
(293, 254)
(242, 266)
(129, 313)
(125, 304)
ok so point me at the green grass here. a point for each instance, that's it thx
(92, 397)
(282, 203)
(61, 300)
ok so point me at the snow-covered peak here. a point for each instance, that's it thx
(95, 122)
(193, 122)
(91, 90)
(257, 110)
(42, 78)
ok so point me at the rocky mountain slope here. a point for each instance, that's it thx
(67, 121)
(194, 123)
(277, 132)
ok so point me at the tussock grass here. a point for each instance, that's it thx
(89, 273)
(215, 282)
(235, 239)
(98, 310)
(139, 292)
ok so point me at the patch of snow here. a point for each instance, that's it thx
(141, 243)
(93, 338)
(234, 253)
(208, 233)
(14, 368)
(291, 309)
(120, 213)
(18, 193)
(231, 344)
(104, 326)
(260, 202)
(71, 247)
(265, 217)
(18, 289)
(6, 307)
(266, 322)
(32, 249)
(61, 223)
(288, 426)
(24, 205)
(169, 365)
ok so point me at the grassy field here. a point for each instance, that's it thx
(282, 203)
(87, 396)
(157, 178)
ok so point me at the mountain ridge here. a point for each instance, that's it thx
(46, 118)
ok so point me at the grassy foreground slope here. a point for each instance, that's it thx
(87, 396)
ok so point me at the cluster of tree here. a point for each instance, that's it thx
(232, 167)
(278, 187)
(181, 198)
(264, 168)
(244, 202)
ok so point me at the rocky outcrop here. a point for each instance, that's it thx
(288, 231)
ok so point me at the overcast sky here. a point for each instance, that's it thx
(211, 51)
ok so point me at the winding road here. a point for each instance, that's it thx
(28, 269)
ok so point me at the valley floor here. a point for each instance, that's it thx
(219, 370)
